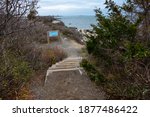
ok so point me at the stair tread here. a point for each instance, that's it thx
(69, 63)
(64, 67)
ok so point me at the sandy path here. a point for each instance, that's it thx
(68, 84)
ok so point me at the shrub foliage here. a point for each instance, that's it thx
(122, 54)
(21, 35)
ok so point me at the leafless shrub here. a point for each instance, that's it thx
(13, 13)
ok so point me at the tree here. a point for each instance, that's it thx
(13, 12)
(32, 14)
(140, 9)
(120, 48)
(14, 69)
(13, 18)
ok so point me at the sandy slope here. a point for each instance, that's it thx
(67, 84)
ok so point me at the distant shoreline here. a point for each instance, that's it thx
(79, 22)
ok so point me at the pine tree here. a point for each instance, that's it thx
(121, 47)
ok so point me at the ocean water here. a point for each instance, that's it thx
(80, 22)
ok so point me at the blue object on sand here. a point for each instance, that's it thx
(53, 34)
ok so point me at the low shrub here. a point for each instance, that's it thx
(92, 72)
(51, 56)
(17, 68)
(14, 72)
(72, 34)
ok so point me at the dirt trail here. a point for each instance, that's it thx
(72, 84)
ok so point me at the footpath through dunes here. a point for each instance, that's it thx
(66, 79)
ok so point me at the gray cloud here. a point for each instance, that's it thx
(69, 7)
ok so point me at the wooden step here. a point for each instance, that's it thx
(71, 63)
(67, 69)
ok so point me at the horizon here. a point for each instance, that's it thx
(67, 15)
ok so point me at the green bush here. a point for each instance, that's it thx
(92, 72)
(14, 72)
(123, 90)
(136, 51)
(21, 70)
(121, 50)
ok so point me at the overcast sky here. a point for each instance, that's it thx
(70, 7)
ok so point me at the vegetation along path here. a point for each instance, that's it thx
(66, 79)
